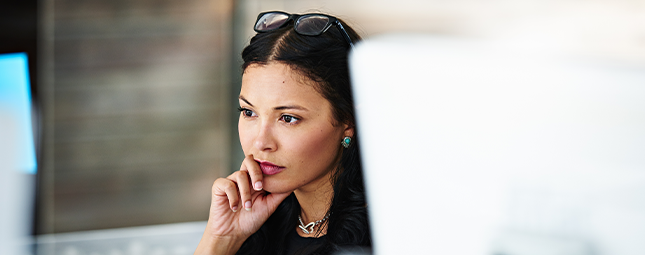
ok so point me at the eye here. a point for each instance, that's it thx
(289, 119)
(247, 112)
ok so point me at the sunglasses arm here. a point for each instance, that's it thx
(344, 32)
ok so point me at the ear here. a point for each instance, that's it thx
(349, 130)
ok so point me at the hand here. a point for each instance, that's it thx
(239, 207)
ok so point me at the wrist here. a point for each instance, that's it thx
(218, 245)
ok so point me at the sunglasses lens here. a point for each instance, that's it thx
(271, 21)
(312, 25)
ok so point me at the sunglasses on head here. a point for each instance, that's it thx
(311, 24)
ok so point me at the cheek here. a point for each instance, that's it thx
(246, 137)
(315, 147)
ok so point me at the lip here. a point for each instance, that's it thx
(269, 168)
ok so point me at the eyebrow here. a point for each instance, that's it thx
(290, 107)
(244, 99)
(285, 107)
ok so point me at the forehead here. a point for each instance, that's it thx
(277, 84)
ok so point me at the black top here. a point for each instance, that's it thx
(298, 245)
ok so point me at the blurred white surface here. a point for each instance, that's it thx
(169, 239)
(16, 196)
(611, 29)
(499, 147)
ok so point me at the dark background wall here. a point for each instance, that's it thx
(135, 93)
(132, 103)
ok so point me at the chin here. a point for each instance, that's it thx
(277, 190)
(273, 187)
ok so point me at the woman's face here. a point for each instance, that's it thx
(288, 128)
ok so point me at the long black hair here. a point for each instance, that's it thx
(322, 59)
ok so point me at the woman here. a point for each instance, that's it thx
(300, 188)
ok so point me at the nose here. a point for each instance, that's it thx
(265, 141)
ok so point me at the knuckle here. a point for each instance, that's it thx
(235, 174)
(243, 176)
(229, 186)
(218, 183)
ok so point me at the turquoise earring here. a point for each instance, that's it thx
(346, 142)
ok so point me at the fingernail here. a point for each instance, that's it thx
(247, 205)
(258, 185)
(234, 208)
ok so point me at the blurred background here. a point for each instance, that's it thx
(136, 99)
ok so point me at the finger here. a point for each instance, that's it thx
(227, 187)
(244, 186)
(255, 172)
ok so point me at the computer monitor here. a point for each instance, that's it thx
(18, 164)
(484, 147)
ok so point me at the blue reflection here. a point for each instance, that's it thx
(15, 112)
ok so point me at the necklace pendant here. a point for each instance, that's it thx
(309, 228)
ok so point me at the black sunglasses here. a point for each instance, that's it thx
(311, 24)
